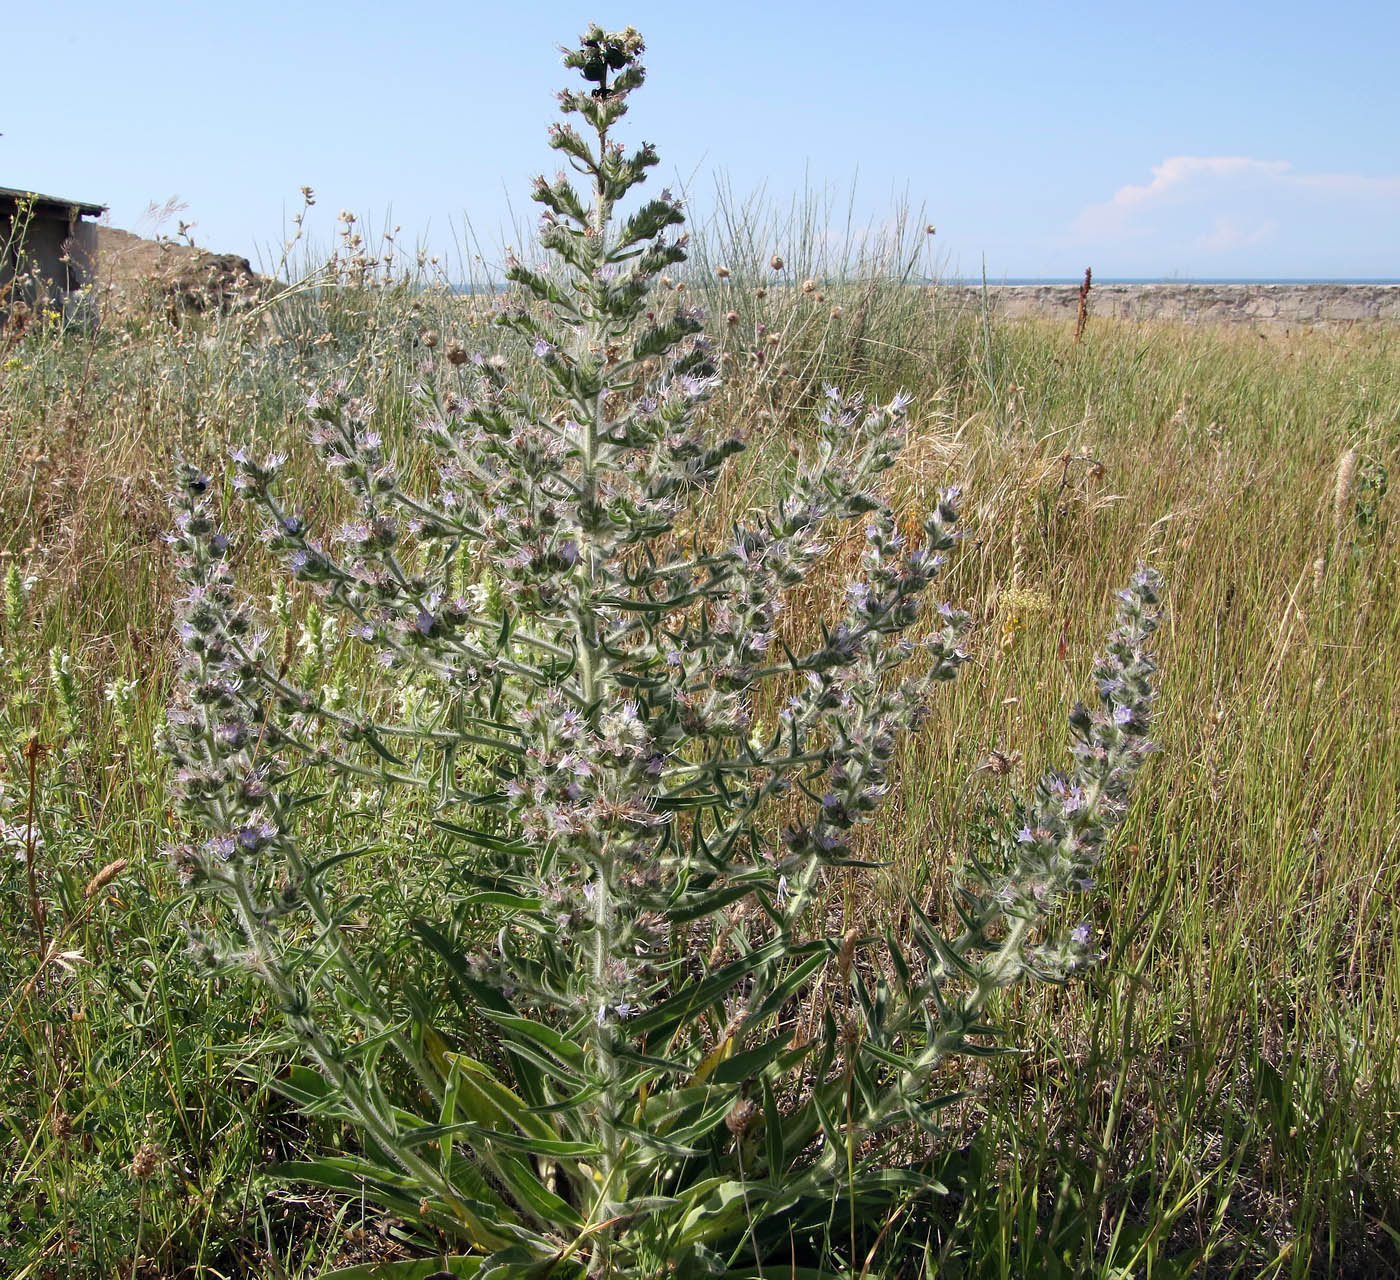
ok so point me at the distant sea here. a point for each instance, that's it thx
(977, 281)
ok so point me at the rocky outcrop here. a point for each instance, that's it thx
(1289, 305)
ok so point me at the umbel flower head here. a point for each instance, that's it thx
(636, 770)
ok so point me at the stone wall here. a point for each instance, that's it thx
(1253, 304)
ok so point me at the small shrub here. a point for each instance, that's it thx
(574, 1015)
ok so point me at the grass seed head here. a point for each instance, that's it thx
(1344, 489)
(104, 877)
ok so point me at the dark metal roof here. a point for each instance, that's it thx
(84, 208)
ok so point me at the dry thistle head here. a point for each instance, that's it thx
(722, 272)
(998, 763)
(741, 1117)
(776, 262)
(457, 354)
(732, 318)
(809, 285)
(146, 1161)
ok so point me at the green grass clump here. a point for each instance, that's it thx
(1220, 1094)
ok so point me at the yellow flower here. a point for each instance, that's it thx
(1019, 606)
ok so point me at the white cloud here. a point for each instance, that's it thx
(1215, 204)
(1178, 170)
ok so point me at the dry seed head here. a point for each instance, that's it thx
(998, 763)
(722, 272)
(776, 262)
(146, 1161)
(760, 292)
(836, 312)
(456, 353)
(61, 1125)
(429, 337)
(809, 285)
(732, 318)
(741, 1116)
(850, 1031)
(1345, 489)
(104, 877)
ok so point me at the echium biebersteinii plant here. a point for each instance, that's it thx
(602, 1054)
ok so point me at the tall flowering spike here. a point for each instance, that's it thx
(552, 705)
(1069, 817)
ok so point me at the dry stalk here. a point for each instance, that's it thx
(1082, 318)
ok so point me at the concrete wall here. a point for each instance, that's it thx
(1253, 304)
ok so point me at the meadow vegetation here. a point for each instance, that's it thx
(1217, 1095)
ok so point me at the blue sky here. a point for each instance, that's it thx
(1234, 138)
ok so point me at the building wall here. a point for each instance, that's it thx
(36, 244)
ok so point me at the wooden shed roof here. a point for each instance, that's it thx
(85, 208)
